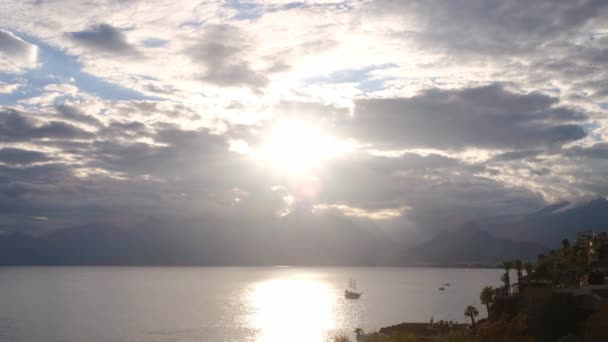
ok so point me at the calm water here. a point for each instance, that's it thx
(224, 304)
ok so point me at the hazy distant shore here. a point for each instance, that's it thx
(472, 266)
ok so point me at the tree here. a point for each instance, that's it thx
(358, 332)
(519, 266)
(472, 312)
(487, 298)
(506, 278)
(529, 269)
(340, 338)
(566, 250)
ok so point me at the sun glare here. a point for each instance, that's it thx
(292, 309)
(297, 147)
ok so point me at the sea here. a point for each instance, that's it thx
(269, 304)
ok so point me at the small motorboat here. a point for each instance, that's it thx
(441, 288)
(447, 284)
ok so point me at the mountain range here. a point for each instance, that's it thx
(485, 242)
(470, 245)
(551, 224)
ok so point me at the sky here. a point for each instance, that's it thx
(392, 115)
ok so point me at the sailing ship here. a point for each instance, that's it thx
(352, 293)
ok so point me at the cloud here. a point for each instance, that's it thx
(105, 38)
(74, 114)
(10, 155)
(438, 191)
(222, 52)
(15, 53)
(516, 155)
(485, 117)
(14, 126)
(7, 88)
(545, 45)
(476, 26)
(596, 151)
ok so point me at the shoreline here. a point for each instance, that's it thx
(457, 266)
(422, 331)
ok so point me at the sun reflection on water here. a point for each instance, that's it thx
(292, 309)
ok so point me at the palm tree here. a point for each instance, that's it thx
(565, 252)
(519, 266)
(505, 278)
(529, 269)
(471, 312)
(487, 297)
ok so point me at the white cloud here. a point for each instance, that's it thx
(8, 88)
(15, 53)
(380, 214)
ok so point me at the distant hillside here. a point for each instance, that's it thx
(296, 239)
(470, 245)
(550, 225)
(302, 238)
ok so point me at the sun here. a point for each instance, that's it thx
(296, 147)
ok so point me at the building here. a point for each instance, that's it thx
(584, 238)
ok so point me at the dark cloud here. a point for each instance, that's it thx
(540, 172)
(492, 27)
(74, 114)
(132, 130)
(596, 151)
(15, 126)
(182, 157)
(39, 175)
(222, 51)
(105, 38)
(485, 117)
(438, 191)
(10, 155)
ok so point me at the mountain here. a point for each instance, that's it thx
(299, 238)
(550, 225)
(512, 237)
(470, 245)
